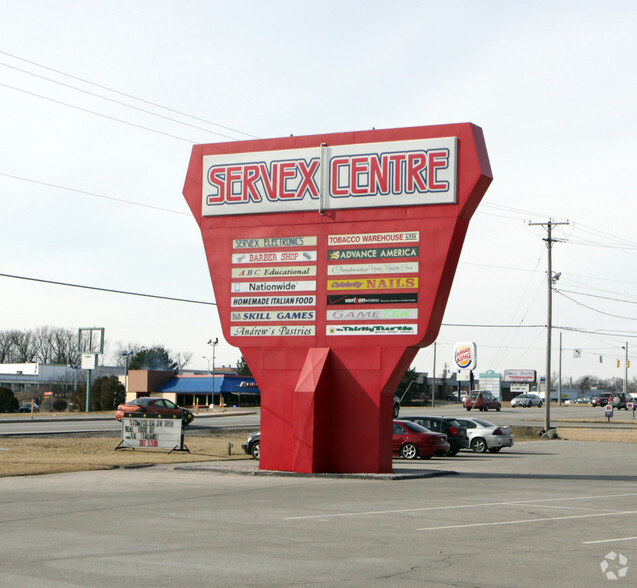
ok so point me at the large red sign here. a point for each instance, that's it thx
(331, 258)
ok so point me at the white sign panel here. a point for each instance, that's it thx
(374, 314)
(406, 267)
(519, 375)
(273, 256)
(394, 173)
(520, 388)
(252, 301)
(278, 287)
(386, 329)
(151, 431)
(277, 331)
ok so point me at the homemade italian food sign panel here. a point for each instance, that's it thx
(332, 285)
(393, 173)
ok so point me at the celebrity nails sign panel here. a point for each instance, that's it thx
(356, 236)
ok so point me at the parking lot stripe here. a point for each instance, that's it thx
(609, 540)
(428, 508)
(524, 521)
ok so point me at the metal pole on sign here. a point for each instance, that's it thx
(433, 388)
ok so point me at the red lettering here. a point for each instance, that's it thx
(287, 170)
(250, 176)
(308, 184)
(397, 159)
(359, 169)
(216, 178)
(437, 159)
(379, 176)
(335, 172)
(233, 174)
(416, 163)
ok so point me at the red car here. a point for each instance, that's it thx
(482, 400)
(412, 441)
(155, 406)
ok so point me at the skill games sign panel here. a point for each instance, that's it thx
(331, 258)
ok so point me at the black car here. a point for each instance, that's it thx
(26, 407)
(456, 433)
(253, 445)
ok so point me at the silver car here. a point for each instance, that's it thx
(484, 435)
(527, 400)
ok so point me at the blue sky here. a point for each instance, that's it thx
(90, 189)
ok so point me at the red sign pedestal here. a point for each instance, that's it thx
(364, 288)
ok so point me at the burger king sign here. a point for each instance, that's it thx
(465, 355)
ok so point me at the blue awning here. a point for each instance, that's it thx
(225, 383)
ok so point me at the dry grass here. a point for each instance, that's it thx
(21, 456)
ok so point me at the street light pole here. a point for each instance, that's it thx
(625, 369)
(126, 355)
(212, 372)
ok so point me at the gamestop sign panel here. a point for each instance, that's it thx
(397, 173)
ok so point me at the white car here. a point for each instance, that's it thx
(527, 400)
(484, 435)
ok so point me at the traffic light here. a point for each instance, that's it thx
(618, 363)
(628, 363)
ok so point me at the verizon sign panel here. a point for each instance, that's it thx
(398, 173)
(331, 258)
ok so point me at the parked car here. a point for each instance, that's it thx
(27, 407)
(584, 400)
(153, 405)
(527, 400)
(484, 435)
(412, 441)
(253, 445)
(482, 400)
(456, 433)
(601, 399)
(619, 400)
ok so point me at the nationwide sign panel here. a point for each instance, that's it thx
(331, 258)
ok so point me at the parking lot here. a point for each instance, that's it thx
(545, 512)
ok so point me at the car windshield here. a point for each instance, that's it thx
(472, 396)
(143, 401)
(415, 427)
(453, 422)
(483, 423)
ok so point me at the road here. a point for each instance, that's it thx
(49, 425)
(532, 417)
(545, 513)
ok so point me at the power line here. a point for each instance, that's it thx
(112, 198)
(96, 113)
(125, 95)
(109, 290)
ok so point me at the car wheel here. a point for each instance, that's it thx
(539, 405)
(468, 409)
(486, 408)
(495, 449)
(498, 408)
(396, 410)
(256, 450)
(452, 452)
(409, 451)
(479, 445)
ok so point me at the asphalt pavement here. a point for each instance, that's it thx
(553, 513)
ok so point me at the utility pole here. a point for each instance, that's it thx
(549, 319)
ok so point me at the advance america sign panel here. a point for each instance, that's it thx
(396, 173)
